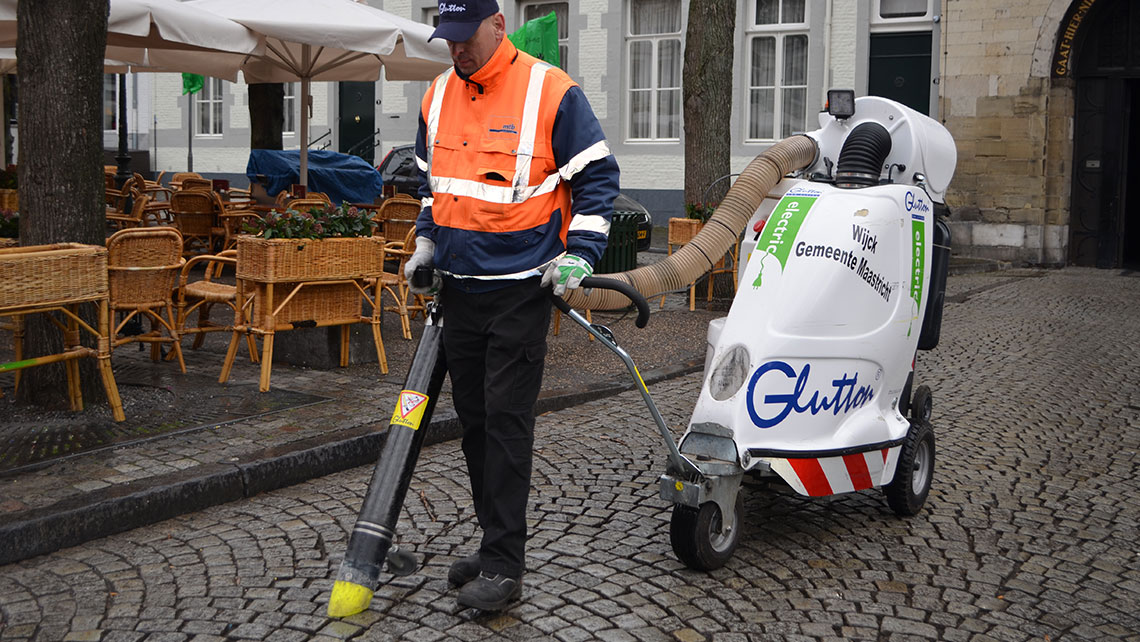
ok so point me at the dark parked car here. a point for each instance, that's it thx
(399, 169)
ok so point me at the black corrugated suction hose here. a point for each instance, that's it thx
(861, 158)
(721, 232)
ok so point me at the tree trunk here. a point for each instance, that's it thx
(266, 115)
(60, 159)
(708, 95)
(708, 105)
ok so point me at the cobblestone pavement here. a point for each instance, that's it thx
(1030, 531)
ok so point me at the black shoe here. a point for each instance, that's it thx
(490, 592)
(463, 571)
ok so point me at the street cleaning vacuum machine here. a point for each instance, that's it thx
(810, 376)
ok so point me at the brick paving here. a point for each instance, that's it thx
(1029, 533)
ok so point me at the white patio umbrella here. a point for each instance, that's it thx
(157, 34)
(330, 40)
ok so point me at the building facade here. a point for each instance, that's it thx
(1038, 108)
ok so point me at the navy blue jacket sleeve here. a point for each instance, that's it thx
(425, 225)
(584, 160)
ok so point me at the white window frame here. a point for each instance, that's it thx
(654, 89)
(114, 103)
(431, 17)
(211, 95)
(289, 109)
(563, 43)
(780, 31)
(925, 22)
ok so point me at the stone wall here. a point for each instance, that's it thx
(1013, 128)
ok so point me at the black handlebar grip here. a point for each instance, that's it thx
(422, 277)
(618, 286)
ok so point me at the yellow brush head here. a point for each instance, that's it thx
(348, 599)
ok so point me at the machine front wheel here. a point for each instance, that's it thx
(907, 492)
(697, 538)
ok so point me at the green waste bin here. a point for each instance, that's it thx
(621, 249)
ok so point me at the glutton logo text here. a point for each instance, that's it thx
(445, 7)
(844, 396)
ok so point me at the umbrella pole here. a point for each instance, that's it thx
(306, 113)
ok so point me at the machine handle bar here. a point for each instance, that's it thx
(611, 284)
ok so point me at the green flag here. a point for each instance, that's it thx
(192, 83)
(539, 38)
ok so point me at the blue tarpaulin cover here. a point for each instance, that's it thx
(344, 178)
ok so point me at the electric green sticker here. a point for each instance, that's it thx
(918, 239)
(783, 225)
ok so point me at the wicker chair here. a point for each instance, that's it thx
(136, 217)
(400, 207)
(203, 294)
(195, 214)
(681, 231)
(143, 266)
(396, 285)
(305, 204)
(178, 177)
(196, 183)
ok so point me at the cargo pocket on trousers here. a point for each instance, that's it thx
(528, 375)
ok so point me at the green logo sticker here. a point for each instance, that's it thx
(783, 225)
(918, 239)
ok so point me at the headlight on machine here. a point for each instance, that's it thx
(730, 373)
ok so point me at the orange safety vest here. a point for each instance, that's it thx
(490, 165)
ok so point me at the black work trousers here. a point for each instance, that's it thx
(495, 344)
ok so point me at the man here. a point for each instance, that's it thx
(517, 187)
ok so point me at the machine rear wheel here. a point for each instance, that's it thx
(907, 492)
(697, 538)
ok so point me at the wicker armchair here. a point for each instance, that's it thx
(396, 285)
(681, 231)
(195, 214)
(178, 177)
(203, 294)
(398, 208)
(196, 183)
(137, 216)
(143, 266)
(305, 204)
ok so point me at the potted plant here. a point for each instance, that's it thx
(329, 243)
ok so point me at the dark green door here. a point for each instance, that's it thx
(356, 122)
(900, 68)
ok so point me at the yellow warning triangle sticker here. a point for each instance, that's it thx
(409, 409)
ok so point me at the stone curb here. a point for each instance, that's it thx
(123, 507)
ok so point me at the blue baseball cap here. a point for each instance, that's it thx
(459, 19)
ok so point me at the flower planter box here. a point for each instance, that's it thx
(309, 305)
(294, 260)
(52, 274)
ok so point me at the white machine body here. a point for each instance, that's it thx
(806, 370)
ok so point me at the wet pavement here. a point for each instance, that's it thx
(1030, 531)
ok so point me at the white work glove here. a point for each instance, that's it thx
(566, 273)
(425, 251)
